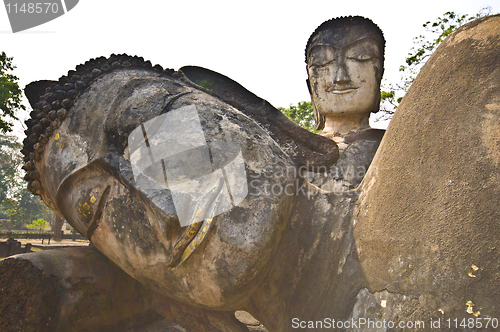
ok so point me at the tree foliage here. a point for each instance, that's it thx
(302, 114)
(425, 45)
(10, 94)
(10, 167)
(41, 224)
(17, 204)
(19, 212)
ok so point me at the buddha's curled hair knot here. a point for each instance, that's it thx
(342, 21)
(52, 101)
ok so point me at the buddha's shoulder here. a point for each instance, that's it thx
(371, 134)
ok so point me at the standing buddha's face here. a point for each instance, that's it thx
(345, 67)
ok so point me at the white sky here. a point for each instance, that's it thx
(259, 44)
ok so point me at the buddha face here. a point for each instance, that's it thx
(345, 69)
(159, 176)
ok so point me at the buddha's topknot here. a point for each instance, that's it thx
(345, 20)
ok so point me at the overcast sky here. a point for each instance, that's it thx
(259, 44)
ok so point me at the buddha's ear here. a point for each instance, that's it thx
(34, 90)
(308, 86)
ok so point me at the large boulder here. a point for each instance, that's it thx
(81, 290)
(70, 289)
(427, 223)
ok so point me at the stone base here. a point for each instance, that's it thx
(79, 289)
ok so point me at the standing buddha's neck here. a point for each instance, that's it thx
(338, 126)
(343, 124)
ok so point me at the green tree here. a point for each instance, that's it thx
(11, 183)
(425, 44)
(10, 94)
(10, 167)
(41, 224)
(302, 114)
(17, 204)
(29, 207)
(7, 210)
(20, 212)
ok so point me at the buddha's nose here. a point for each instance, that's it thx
(342, 74)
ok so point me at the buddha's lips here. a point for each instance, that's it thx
(342, 89)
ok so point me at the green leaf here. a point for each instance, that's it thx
(10, 94)
(302, 114)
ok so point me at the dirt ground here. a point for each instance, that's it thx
(65, 242)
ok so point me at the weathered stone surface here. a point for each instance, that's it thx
(79, 289)
(246, 318)
(316, 274)
(427, 221)
(71, 289)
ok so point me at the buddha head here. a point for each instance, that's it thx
(160, 177)
(344, 59)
